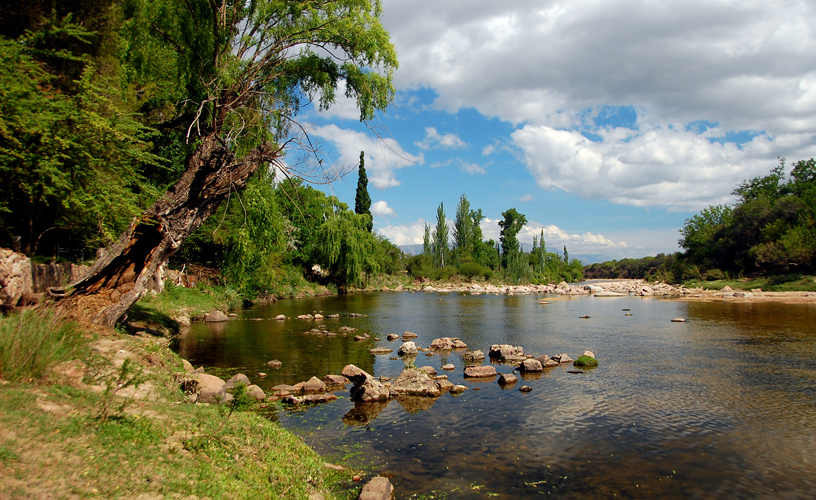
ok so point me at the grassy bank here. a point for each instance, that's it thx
(105, 419)
(778, 283)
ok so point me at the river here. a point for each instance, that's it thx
(723, 405)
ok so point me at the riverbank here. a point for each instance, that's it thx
(111, 422)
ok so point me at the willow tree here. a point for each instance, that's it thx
(245, 68)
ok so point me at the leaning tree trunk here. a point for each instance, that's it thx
(122, 275)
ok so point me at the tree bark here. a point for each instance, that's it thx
(122, 274)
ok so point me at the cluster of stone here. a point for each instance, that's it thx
(623, 287)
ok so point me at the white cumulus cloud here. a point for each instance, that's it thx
(383, 156)
(381, 208)
(434, 140)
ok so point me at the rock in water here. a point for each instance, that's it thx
(413, 382)
(473, 371)
(408, 349)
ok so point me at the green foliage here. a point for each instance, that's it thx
(252, 238)
(192, 302)
(510, 227)
(362, 200)
(661, 267)
(471, 269)
(346, 248)
(70, 159)
(585, 362)
(771, 229)
(440, 247)
(31, 342)
(420, 266)
(462, 225)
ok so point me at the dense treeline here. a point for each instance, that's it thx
(97, 99)
(469, 256)
(770, 230)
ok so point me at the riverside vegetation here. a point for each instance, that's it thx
(89, 412)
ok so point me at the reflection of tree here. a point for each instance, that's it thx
(416, 404)
(364, 413)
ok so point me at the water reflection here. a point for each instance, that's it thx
(699, 409)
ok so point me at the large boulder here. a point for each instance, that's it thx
(473, 371)
(256, 393)
(216, 317)
(366, 388)
(408, 349)
(379, 488)
(355, 375)
(530, 365)
(210, 389)
(237, 379)
(15, 277)
(370, 391)
(314, 384)
(442, 344)
(412, 382)
(547, 362)
(506, 352)
(563, 358)
(473, 356)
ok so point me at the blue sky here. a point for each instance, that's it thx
(607, 123)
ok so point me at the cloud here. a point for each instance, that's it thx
(434, 140)
(543, 63)
(381, 208)
(555, 238)
(383, 157)
(549, 69)
(471, 168)
(405, 234)
(526, 197)
(672, 168)
(344, 108)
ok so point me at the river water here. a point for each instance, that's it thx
(721, 406)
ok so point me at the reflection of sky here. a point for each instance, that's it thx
(674, 409)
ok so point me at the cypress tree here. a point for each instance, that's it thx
(362, 201)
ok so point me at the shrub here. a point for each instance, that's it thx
(586, 362)
(33, 341)
(471, 269)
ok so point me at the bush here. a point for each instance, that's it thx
(419, 266)
(444, 274)
(33, 341)
(471, 269)
(586, 362)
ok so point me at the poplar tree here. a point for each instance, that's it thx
(440, 237)
(462, 224)
(510, 227)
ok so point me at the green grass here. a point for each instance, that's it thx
(778, 283)
(57, 439)
(178, 300)
(586, 362)
(33, 341)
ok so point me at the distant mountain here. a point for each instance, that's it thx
(592, 258)
(411, 249)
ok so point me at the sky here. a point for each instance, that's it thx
(606, 123)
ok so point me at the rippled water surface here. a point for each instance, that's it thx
(721, 406)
